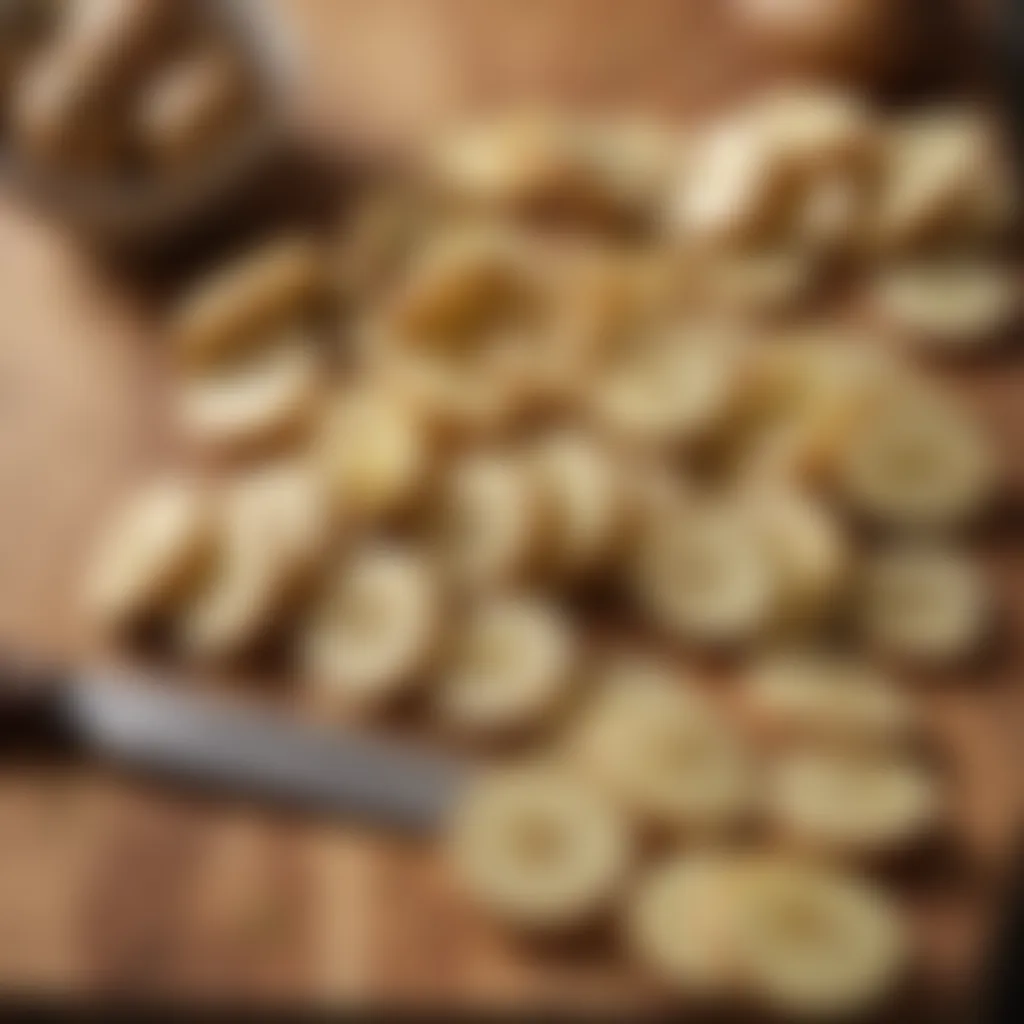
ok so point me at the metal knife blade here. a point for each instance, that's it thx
(198, 739)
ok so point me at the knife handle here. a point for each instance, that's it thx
(32, 706)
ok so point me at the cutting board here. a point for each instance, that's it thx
(109, 887)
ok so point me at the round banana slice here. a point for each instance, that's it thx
(917, 462)
(809, 546)
(511, 665)
(274, 528)
(488, 523)
(852, 802)
(152, 554)
(539, 850)
(680, 924)
(925, 603)
(255, 398)
(661, 752)
(669, 386)
(707, 576)
(374, 453)
(376, 628)
(826, 696)
(814, 943)
(582, 493)
(943, 178)
(256, 296)
(950, 305)
(464, 335)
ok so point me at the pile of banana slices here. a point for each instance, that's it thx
(571, 373)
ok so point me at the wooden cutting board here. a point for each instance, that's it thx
(109, 887)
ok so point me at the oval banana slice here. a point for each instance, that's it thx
(917, 462)
(253, 399)
(671, 385)
(374, 452)
(376, 628)
(510, 666)
(706, 575)
(274, 527)
(662, 753)
(826, 696)
(488, 523)
(152, 554)
(948, 304)
(538, 849)
(815, 943)
(679, 924)
(925, 603)
(852, 802)
(582, 493)
(255, 296)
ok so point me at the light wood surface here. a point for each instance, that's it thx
(110, 887)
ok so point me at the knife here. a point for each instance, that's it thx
(200, 740)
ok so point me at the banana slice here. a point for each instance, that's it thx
(376, 628)
(582, 492)
(669, 385)
(661, 752)
(260, 294)
(809, 546)
(826, 696)
(706, 575)
(950, 305)
(253, 399)
(511, 665)
(917, 462)
(943, 178)
(925, 603)
(274, 529)
(488, 524)
(374, 452)
(152, 554)
(539, 850)
(680, 924)
(465, 334)
(852, 802)
(815, 943)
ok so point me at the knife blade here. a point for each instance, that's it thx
(210, 742)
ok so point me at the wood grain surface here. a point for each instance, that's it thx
(110, 887)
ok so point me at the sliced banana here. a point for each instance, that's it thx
(488, 522)
(948, 304)
(465, 333)
(153, 553)
(669, 385)
(925, 603)
(917, 462)
(276, 286)
(511, 665)
(815, 943)
(706, 575)
(826, 696)
(374, 451)
(274, 529)
(658, 749)
(255, 398)
(581, 490)
(680, 924)
(852, 802)
(538, 849)
(943, 178)
(809, 546)
(376, 628)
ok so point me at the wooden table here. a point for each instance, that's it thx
(108, 887)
